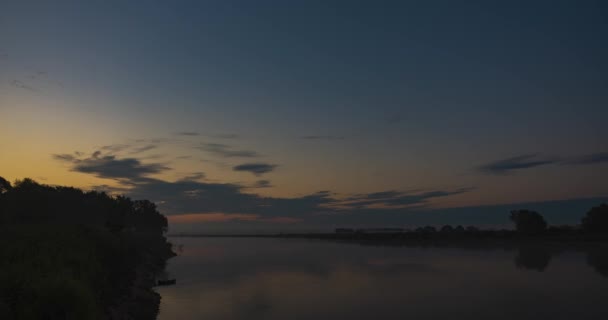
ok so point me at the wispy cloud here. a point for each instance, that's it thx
(322, 137)
(113, 148)
(595, 158)
(194, 176)
(255, 168)
(210, 135)
(225, 136)
(143, 148)
(506, 166)
(395, 199)
(227, 151)
(527, 161)
(22, 85)
(187, 133)
(262, 184)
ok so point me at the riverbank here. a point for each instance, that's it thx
(77, 272)
(69, 254)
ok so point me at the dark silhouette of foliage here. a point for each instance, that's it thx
(528, 222)
(70, 254)
(472, 229)
(4, 185)
(596, 219)
(447, 229)
(426, 229)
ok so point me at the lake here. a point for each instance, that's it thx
(270, 278)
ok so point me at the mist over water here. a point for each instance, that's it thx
(251, 278)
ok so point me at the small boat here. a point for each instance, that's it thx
(166, 282)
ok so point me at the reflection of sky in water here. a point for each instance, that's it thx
(244, 278)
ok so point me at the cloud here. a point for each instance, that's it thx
(211, 135)
(21, 85)
(187, 133)
(205, 200)
(144, 148)
(508, 165)
(527, 161)
(65, 157)
(255, 168)
(212, 217)
(225, 136)
(195, 176)
(113, 148)
(394, 199)
(327, 137)
(227, 151)
(262, 184)
(223, 217)
(595, 158)
(111, 167)
(187, 196)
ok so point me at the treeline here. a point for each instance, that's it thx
(71, 254)
(527, 222)
(529, 226)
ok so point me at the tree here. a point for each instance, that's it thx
(596, 219)
(4, 185)
(528, 222)
(472, 229)
(447, 229)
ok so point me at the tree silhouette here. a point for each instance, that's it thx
(4, 185)
(447, 229)
(472, 229)
(73, 254)
(528, 222)
(596, 219)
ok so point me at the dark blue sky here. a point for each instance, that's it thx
(485, 102)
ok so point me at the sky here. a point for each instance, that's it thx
(291, 115)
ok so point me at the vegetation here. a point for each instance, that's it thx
(596, 219)
(70, 254)
(528, 222)
(529, 225)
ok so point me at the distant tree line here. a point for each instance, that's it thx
(73, 254)
(531, 222)
(527, 222)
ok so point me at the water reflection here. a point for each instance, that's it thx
(533, 257)
(301, 279)
(597, 258)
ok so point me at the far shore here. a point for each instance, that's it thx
(503, 238)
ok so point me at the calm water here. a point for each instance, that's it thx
(245, 278)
